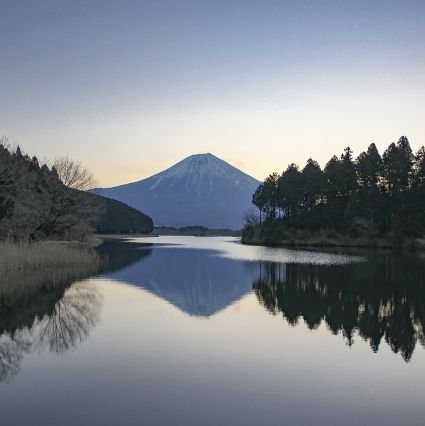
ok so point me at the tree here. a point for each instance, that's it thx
(369, 166)
(331, 186)
(290, 190)
(73, 174)
(35, 204)
(259, 199)
(373, 194)
(347, 173)
(312, 177)
(397, 166)
(419, 169)
(271, 194)
(404, 163)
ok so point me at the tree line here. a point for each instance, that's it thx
(374, 193)
(39, 202)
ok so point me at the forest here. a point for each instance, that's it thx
(373, 195)
(39, 202)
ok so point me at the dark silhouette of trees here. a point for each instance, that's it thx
(371, 194)
(369, 167)
(289, 199)
(312, 176)
(379, 300)
(37, 202)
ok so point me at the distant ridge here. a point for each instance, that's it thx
(200, 190)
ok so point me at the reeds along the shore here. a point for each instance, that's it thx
(34, 264)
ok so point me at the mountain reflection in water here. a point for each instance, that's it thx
(380, 299)
(196, 281)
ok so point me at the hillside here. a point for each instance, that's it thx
(34, 204)
(117, 218)
(199, 190)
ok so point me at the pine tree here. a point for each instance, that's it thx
(369, 167)
(312, 177)
(404, 164)
(290, 190)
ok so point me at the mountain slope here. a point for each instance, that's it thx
(115, 217)
(199, 190)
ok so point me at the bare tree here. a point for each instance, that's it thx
(73, 174)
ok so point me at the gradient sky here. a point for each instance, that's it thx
(130, 87)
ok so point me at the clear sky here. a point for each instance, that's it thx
(130, 87)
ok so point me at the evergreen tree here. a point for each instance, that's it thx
(419, 169)
(259, 200)
(389, 169)
(270, 189)
(404, 164)
(347, 173)
(371, 194)
(369, 166)
(397, 166)
(312, 177)
(290, 190)
(331, 184)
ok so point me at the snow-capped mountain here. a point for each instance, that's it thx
(199, 190)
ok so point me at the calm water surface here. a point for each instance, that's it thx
(205, 331)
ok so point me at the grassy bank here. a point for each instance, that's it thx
(24, 265)
(275, 235)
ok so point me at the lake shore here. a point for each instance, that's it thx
(303, 238)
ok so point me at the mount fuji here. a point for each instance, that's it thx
(200, 190)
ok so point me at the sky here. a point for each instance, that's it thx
(131, 87)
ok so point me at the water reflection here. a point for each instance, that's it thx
(50, 310)
(382, 299)
(195, 280)
(379, 299)
(59, 320)
(71, 320)
(119, 254)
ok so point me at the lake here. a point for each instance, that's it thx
(206, 331)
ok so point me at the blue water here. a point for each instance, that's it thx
(206, 331)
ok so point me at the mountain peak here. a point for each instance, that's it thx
(201, 189)
(197, 165)
(205, 154)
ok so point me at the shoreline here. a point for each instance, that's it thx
(340, 241)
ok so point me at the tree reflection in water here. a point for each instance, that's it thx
(71, 320)
(66, 324)
(383, 298)
(50, 310)
(12, 350)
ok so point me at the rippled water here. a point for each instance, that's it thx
(206, 331)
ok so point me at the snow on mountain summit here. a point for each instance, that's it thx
(196, 169)
(201, 189)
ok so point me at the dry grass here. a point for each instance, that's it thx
(23, 264)
(16, 257)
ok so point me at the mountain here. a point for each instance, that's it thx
(199, 190)
(198, 282)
